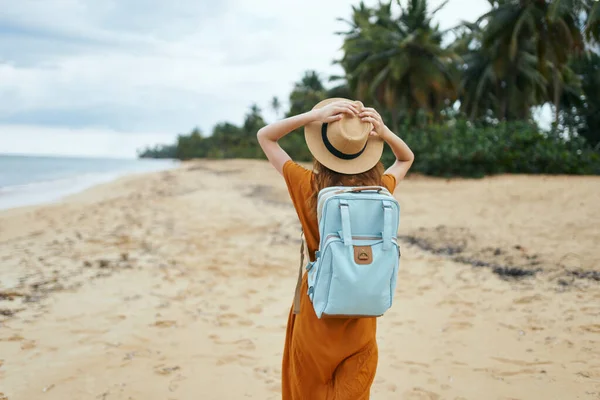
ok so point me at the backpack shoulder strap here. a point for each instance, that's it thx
(299, 283)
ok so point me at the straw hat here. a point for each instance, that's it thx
(344, 146)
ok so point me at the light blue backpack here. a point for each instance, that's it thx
(356, 267)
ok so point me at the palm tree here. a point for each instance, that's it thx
(306, 93)
(585, 109)
(548, 31)
(490, 85)
(276, 105)
(253, 120)
(592, 27)
(398, 62)
(586, 11)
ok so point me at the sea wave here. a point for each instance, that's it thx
(48, 191)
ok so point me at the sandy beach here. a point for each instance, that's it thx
(177, 285)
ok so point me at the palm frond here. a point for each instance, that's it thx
(438, 8)
(558, 8)
(524, 18)
(592, 27)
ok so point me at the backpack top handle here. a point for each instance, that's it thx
(359, 189)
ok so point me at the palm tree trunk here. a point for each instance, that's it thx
(505, 103)
(557, 95)
(510, 87)
(395, 120)
(501, 105)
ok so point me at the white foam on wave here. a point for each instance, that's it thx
(45, 192)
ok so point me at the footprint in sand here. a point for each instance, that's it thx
(508, 326)
(241, 359)
(594, 328)
(28, 344)
(462, 313)
(455, 302)
(242, 344)
(116, 318)
(592, 311)
(166, 370)
(14, 338)
(230, 318)
(245, 344)
(424, 288)
(215, 338)
(457, 326)
(413, 367)
(275, 388)
(173, 384)
(165, 324)
(262, 372)
(89, 331)
(528, 299)
(269, 377)
(520, 362)
(527, 371)
(420, 394)
(255, 310)
(415, 363)
(500, 373)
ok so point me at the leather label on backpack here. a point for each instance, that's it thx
(363, 255)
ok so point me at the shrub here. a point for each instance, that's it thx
(460, 148)
(471, 150)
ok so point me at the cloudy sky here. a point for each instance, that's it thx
(105, 77)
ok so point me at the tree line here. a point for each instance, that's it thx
(462, 98)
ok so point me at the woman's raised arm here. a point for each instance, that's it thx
(269, 135)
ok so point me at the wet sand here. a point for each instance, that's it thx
(175, 285)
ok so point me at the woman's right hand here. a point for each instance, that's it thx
(371, 115)
(335, 111)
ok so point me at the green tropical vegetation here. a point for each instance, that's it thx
(463, 99)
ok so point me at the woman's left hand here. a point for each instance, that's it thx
(335, 111)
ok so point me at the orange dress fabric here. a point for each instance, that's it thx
(324, 359)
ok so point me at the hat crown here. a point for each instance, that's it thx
(349, 135)
(345, 145)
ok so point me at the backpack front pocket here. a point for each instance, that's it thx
(357, 280)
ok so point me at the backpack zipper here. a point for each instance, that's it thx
(358, 237)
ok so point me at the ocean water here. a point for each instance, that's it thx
(28, 180)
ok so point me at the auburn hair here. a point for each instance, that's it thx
(324, 177)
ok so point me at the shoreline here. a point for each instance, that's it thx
(173, 284)
(54, 194)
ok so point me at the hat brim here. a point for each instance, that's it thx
(314, 140)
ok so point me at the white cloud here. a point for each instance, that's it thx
(139, 66)
(93, 142)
